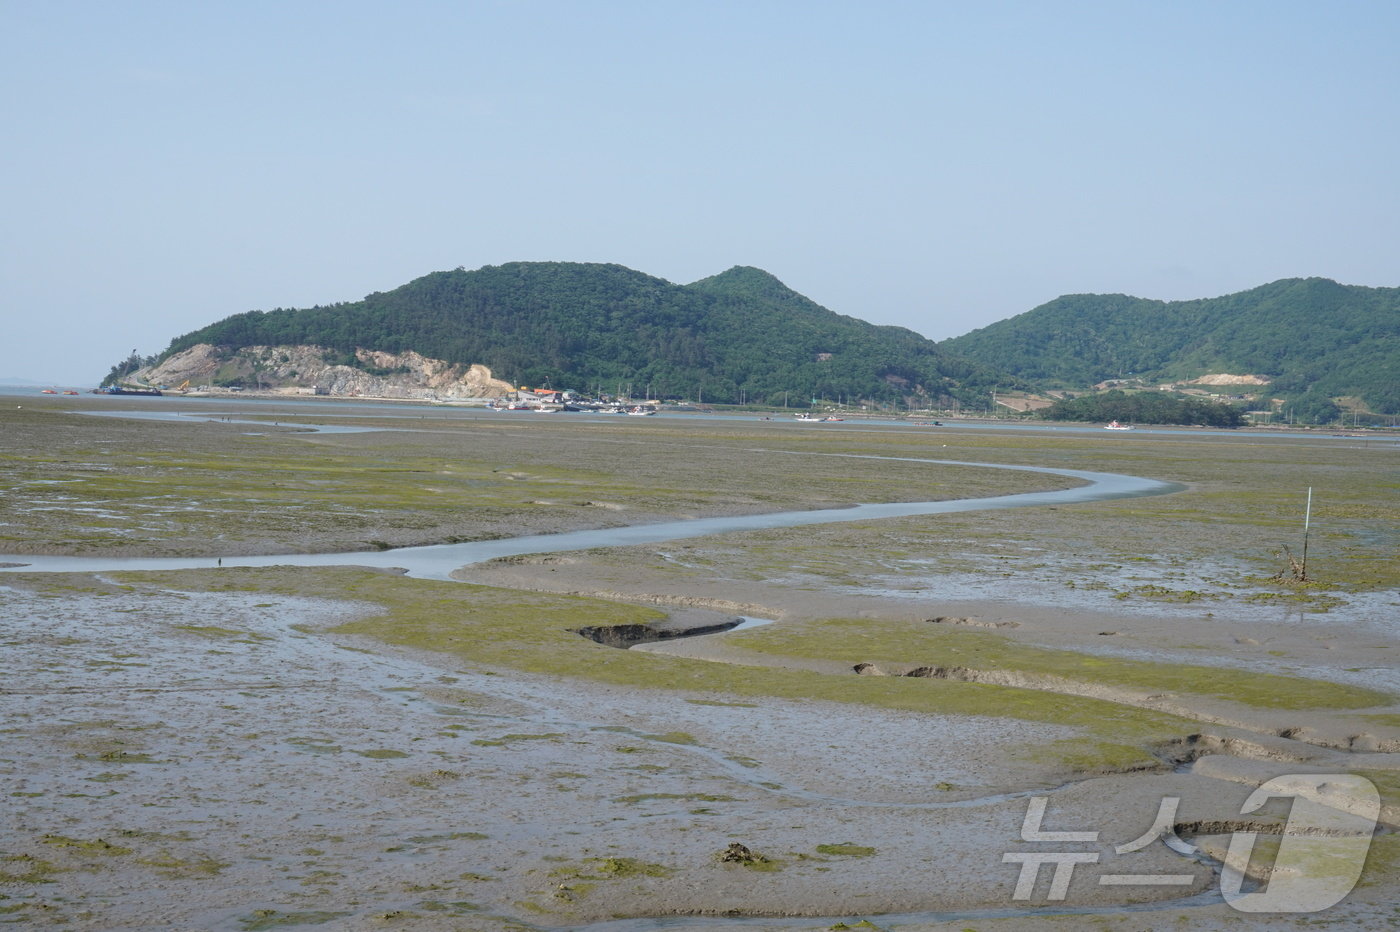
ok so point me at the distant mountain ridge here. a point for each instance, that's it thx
(1313, 339)
(741, 335)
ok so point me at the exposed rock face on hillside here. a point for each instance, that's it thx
(1223, 378)
(379, 375)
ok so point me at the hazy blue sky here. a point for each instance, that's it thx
(935, 165)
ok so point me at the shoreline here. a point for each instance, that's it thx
(784, 416)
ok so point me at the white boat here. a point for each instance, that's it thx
(1114, 425)
(641, 411)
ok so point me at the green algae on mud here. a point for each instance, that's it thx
(499, 630)
(95, 846)
(504, 740)
(1382, 861)
(846, 849)
(1089, 755)
(575, 881)
(533, 633)
(171, 865)
(1390, 719)
(1218, 541)
(261, 920)
(78, 484)
(871, 640)
(1387, 783)
(26, 869)
(193, 488)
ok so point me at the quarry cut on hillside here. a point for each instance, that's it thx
(1225, 378)
(310, 369)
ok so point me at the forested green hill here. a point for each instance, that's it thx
(1144, 408)
(738, 335)
(1317, 340)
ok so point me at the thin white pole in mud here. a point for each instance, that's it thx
(1307, 521)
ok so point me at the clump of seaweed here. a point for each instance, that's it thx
(745, 856)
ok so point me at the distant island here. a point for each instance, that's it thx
(1297, 350)
(741, 337)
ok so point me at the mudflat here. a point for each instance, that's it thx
(255, 748)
